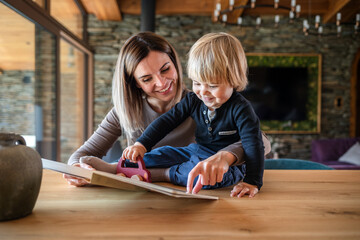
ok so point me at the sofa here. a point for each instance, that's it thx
(294, 164)
(328, 152)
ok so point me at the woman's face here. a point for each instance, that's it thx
(156, 75)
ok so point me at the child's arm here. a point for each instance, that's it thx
(132, 152)
(210, 171)
(251, 137)
(167, 122)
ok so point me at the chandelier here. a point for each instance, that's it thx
(309, 26)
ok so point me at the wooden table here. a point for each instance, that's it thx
(293, 204)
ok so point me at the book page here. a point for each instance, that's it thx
(116, 181)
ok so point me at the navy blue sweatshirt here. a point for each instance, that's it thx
(233, 121)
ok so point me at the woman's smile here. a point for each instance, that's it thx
(167, 89)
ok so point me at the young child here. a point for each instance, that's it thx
(217, 65)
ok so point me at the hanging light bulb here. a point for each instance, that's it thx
(338, 31)
(239, 21)
(224, 18)
(231, 4)
(216, 15)
(298, 10)
(218, 6)
(293, 4)
(291, 16)
(258, 22)
(338, 19)
(253, 3)
(276, 4)
(320, 30)
(317, 21)
(305, 27)
(277, 20)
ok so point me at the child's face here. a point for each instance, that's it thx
(212, 95)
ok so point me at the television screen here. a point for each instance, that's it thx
(278, 93)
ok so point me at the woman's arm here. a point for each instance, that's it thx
(95, 147)
(101, 140)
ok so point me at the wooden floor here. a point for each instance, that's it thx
(293, 204)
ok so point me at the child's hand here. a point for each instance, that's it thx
(132, 152)
(244, 188)
(210, 171)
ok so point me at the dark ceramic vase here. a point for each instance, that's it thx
(20, 177)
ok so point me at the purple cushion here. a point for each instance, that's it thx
(342, 165)
(325, 150)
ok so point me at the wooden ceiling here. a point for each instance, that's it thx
(327, 9)
(17, 33)
(17, 45)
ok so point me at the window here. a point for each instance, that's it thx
(45, 79)
(27, 81)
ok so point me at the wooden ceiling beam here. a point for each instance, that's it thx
(242, 2)
(166, 7)
(348, 13)
(130, 6)
(233, 15)
(334, 7)
(103, 10)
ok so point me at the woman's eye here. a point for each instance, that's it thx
(165, 70)
(213, 86)
(146, 79)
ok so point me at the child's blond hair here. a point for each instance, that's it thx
(218, 58)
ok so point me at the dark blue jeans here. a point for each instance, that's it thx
(181, 160)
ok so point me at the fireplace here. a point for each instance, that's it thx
(284, 90)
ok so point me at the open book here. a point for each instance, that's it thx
(115, 181)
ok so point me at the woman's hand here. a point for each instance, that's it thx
(210, 171)
(132, 152)
(75, 181)
(243, 188)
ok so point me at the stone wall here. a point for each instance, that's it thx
(107, 37)
(17, 102)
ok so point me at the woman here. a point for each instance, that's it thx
(147, 83)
